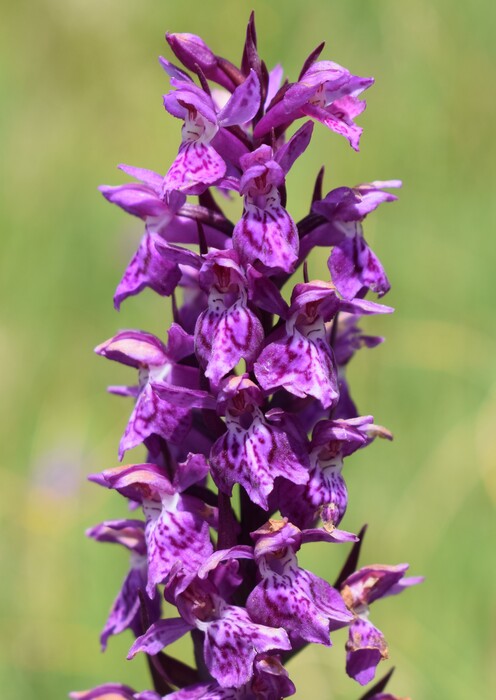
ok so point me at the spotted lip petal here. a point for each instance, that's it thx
(197, 166)
(268, 234)
(256, 448)
(154, 416)
(233, 642)
(301, 365)
(227, 331)
(306, 606)
(225, 336)
(176, 532)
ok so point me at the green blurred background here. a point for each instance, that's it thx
(80, 92)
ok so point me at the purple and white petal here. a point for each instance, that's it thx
(197, 166)
(232, 643)
(302, 366)
(254, 457)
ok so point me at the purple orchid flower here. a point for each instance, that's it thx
(227, 331)
(266, 232)
(325, 496)
(198, 164)
(255, 448)
(125, 612)
(232, 640)
(326, 92)
(163, 221)
(157, 364)
(306, 606)
(302, 361)
(366, 645)
(177, 524)
(352, 264)
(270, 681)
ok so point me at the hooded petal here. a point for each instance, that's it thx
(107, 691)
(134, 348)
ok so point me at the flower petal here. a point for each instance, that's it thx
(232, 643)
(365, 648)
(159, 635)
(196, 167)
(148, 268)
(269, 235)
(302, 366)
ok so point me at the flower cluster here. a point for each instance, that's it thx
(249, 392)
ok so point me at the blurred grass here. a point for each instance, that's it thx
(81, 90)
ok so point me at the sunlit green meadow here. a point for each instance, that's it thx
(80, 92)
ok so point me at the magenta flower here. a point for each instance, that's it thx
(326, 92)
(246, 412)
(198, 164)
(266, 232)
(177, 534)
(302, 361)
(125, 612)
(287, 596)
(231, 639)
(366, 645)
(352, 263)
(157, 364)
(256, 448)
